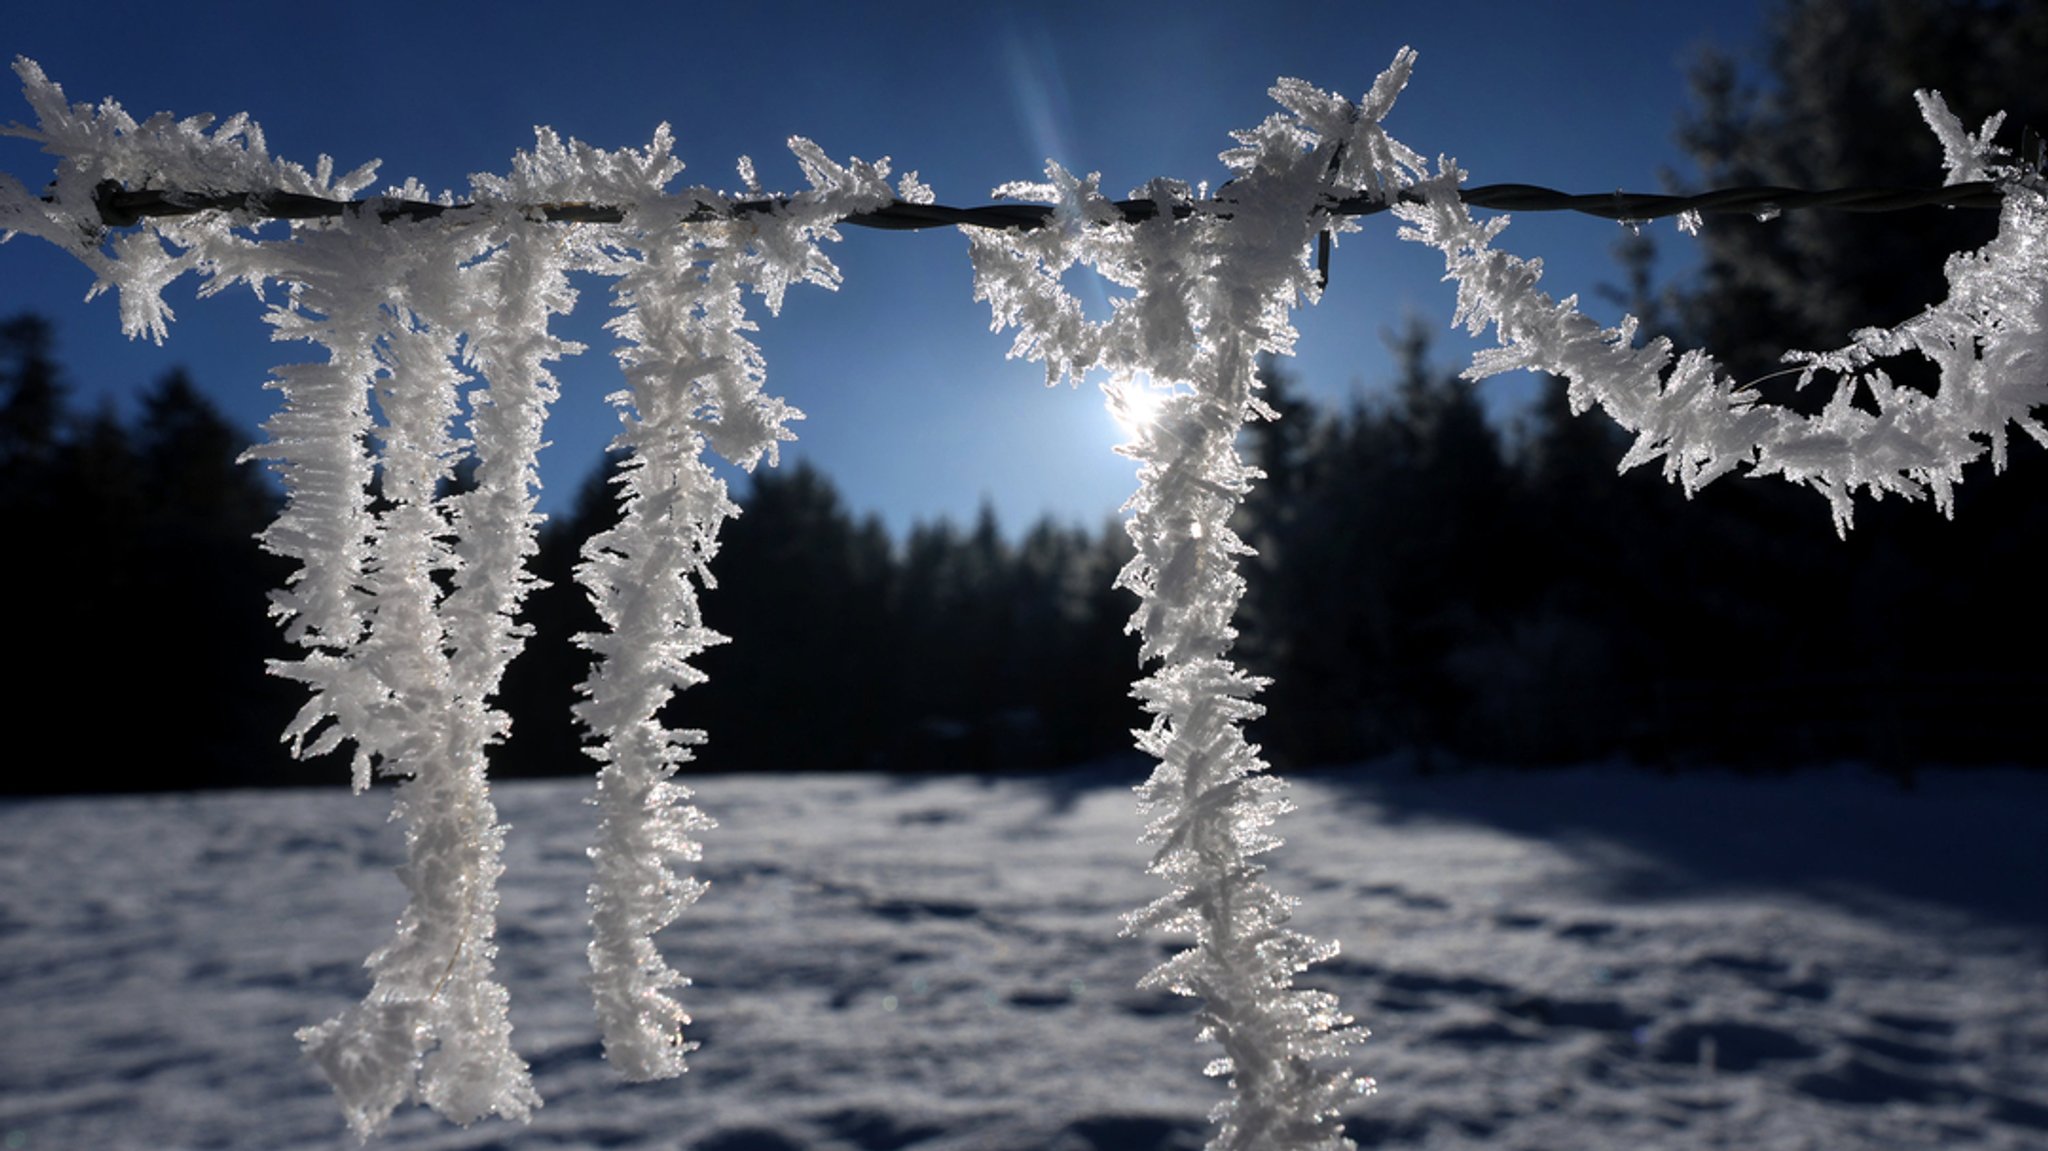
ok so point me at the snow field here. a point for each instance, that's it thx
(1590, 959)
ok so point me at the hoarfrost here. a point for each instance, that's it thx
(1987, 339)
(1213, 285)
(399, 668)
(694, 383)
(406, 609)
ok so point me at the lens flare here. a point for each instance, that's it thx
(1135, 404)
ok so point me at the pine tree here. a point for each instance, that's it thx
(1836, 109)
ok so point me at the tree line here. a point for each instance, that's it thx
(134, 593)
(955, 649)
(1428, 583)
(136, 602)
(1425, 582)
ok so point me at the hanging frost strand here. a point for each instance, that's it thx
(639, 577)
(1211, 294)
(396, 668)
(694, 384)
(434, 1025)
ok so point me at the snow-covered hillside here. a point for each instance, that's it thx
(1593, 959)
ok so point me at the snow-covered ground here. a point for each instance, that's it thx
(1589, 960)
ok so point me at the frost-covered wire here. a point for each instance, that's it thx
(406, 607)
(1987, 339)
(121, 207)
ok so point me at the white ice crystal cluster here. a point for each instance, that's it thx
(408, 590)
(694, 382)
(1987, 339)
(1211, 287)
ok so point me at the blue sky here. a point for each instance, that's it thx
(913, 408)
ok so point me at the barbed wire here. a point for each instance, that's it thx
(121, 207)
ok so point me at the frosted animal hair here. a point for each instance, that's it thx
(407, 609)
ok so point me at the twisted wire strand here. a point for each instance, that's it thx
(1751, 201)
(121, 207)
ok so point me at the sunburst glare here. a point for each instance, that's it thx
(1135, 403)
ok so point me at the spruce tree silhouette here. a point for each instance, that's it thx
(137, 564)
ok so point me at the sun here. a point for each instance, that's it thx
(1135, 403)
